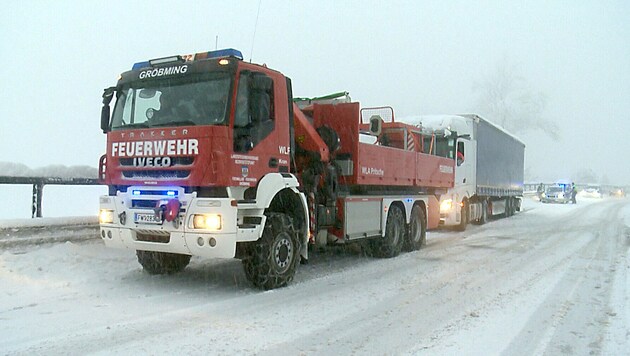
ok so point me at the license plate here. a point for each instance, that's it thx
(147, 219)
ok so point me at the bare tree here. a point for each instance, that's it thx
(505, 98)
(585, 176)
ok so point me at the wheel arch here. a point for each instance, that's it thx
(293, 203)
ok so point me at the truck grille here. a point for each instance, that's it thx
(161, 174)
(179, 169)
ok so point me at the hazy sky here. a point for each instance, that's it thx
(419, 57)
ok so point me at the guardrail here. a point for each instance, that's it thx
(23, 232)
(38, 187)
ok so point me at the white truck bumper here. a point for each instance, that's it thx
(177, 236)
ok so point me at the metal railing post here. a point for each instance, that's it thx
(38, 191)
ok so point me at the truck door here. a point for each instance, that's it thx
(462, 168)
(255, 140)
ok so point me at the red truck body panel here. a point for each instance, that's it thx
(378, 164)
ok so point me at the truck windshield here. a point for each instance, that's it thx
(173, 102)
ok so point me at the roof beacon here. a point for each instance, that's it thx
(228, 52)
(221, 53)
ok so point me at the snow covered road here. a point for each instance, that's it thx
(553, 279)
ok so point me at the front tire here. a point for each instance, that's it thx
(271, 262)
(391, 244)
(161, 262)
(484, 213)
(417, 235)
(464, 216)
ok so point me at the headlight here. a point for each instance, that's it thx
(561, 195)
(446, 205)
(106, 216)
(207, 221)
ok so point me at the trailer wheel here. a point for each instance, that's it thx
(161, 262)
(417, 235)
(509, 209)
(484, 212)
(271, 262)
(464, 216)
(391, 244)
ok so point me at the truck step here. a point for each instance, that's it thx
(246, 202)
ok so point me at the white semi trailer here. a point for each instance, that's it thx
(489, 170)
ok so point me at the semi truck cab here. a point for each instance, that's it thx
(198, 146)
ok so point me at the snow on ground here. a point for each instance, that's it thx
(552, 280)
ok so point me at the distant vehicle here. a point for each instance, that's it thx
(556, 194)
(592, 191)
(617, 192)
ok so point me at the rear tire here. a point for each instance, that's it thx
(161, 262)
(508, 207)
(417, 234)
(271, 262)
(514, 205)
(390, 244)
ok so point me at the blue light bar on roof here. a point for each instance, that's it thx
(140, 65)
(221, 53)
(228, 52)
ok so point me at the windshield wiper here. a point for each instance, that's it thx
(176, 123)
(133, 126)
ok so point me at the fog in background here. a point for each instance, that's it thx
(419, 57)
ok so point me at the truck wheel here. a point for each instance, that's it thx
(271, 261)
(464, 220)
(513, 205)
(417, 236)
(484, 214)
(162, 262)
(391, 244)
(508, 207)
(508, 212)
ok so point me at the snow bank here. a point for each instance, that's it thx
(11, 169)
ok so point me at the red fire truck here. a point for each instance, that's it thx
(211, 156)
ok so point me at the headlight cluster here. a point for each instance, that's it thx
(446, 205)
(207, 221)
(106, 216)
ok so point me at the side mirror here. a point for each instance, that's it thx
(376, 125)
(243, 144)
(105, 118)
(108, 95)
